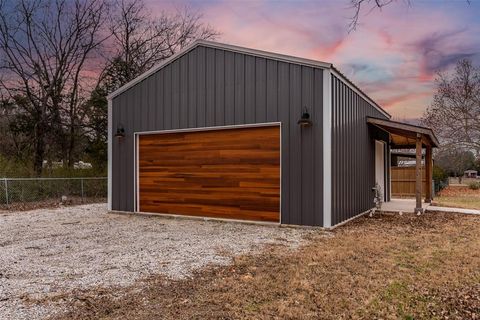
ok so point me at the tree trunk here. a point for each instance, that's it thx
(39, 148)
(71, 146)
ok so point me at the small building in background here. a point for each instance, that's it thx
(471, 174)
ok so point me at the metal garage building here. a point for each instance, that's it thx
(228, 132)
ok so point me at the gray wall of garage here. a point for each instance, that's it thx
(353, 152)
(214, 87)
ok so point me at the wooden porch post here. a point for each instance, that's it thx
(428, 174)
(418, 175)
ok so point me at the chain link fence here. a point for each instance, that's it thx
(24, 190)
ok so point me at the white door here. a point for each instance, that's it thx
(380, 165)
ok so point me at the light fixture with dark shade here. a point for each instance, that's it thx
(120, 132)
(305, 121)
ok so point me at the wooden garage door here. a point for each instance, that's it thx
(229, 173)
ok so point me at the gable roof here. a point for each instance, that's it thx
(248, 51)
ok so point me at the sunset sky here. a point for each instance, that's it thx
(393, 55)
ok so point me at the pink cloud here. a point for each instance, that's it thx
(394, 54)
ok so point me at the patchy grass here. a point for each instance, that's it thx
(50, 203)
(458, 196)
(384, 267)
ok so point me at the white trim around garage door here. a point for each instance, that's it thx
(253, 125)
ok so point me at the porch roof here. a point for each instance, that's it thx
(403, 135)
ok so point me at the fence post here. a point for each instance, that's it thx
(6, 190)
(81, 184)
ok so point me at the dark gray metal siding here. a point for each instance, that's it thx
(353, 152)
(213, 87)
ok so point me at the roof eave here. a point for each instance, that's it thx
(398, 125)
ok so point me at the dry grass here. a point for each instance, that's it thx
(50, 203)
(385, 267)
(458, 196)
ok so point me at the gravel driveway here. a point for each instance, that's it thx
(50, 251)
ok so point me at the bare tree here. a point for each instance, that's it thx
(358, 5)
(142, 40)
(454, 161)
(45, 46)
(454, 114)
(371, 5)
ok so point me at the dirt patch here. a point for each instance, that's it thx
(384, 267)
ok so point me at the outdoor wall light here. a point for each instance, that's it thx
(120, 132)
(305, 121)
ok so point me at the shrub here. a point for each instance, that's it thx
(474, 185)
(440, 177)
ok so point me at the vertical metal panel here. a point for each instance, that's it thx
(158, 104)
(349, 159)
(284, 117)
(115, 160)
(141, 121)
(239, 88)
(192, 89)
(229, 88)
(201, 87)
(353, 162)
(214, 87)
(210, 87)
(183, 92)
(317, 114)
(260, 90)
(133, 122)
(152, 111)
(295, 145)
(307, 165)
(120, 144)
(219, 87)
(343, 139)
(249, 89)
(176, 94)
(272, 85)
(335, 150)
(167, 91)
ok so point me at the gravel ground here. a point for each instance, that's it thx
(52, 251)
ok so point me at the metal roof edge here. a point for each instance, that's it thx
(266, 54)
(359, 91)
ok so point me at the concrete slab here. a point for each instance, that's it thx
(408, 206)
(404, 205)
(454, 210)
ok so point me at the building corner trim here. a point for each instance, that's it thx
(327, 148)
(110, 153)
